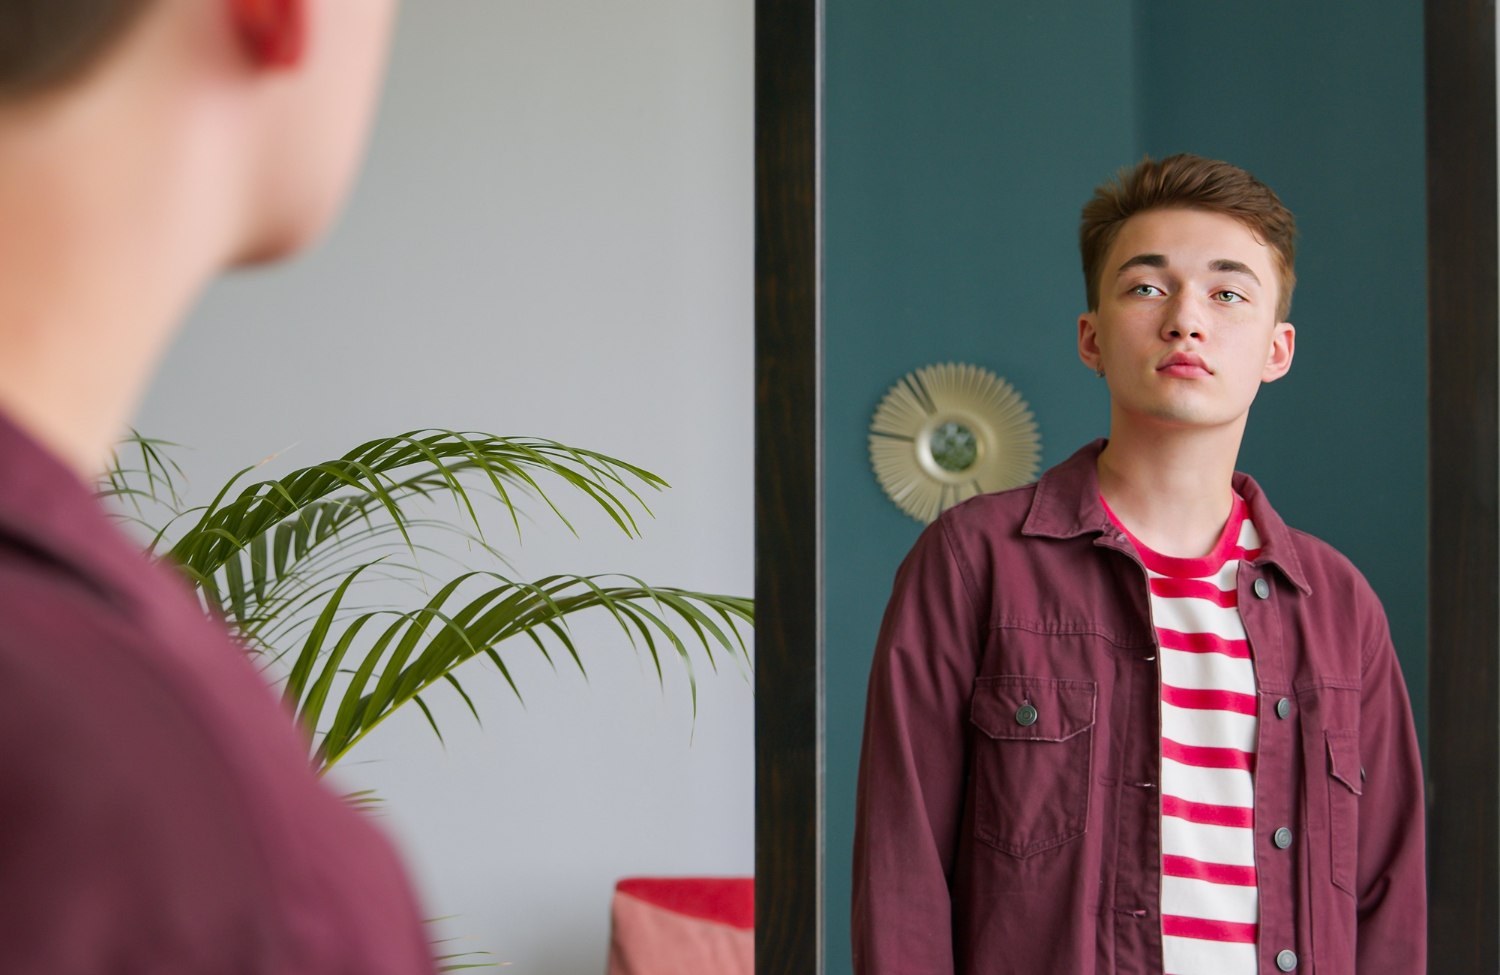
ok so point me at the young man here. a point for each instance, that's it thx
(156, 809)
(1125, 719)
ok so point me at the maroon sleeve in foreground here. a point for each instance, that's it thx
(157, 814)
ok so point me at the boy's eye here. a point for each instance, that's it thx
(1227, 296)
(1145, 290)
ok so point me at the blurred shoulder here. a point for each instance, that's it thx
(152, 777)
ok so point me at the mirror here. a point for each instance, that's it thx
(959, 142)
(947, 432)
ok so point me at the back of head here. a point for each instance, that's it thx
(47, 43)
(226, 101)
(1188, 182)
(145, 145)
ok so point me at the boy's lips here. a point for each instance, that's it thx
(1184, 365)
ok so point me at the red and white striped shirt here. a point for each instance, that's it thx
(1210, 906)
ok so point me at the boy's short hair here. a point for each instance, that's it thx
(1188, 182)
(46, 43)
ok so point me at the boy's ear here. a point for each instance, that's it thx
(1088, 342)
(273, 32)
(1283, 347)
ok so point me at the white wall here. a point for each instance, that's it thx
(553, 237)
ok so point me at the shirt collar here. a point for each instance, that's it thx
(1066, 504)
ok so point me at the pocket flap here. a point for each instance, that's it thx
(1058, 709)
(1343, 759)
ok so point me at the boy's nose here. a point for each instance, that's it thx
(1184, 319)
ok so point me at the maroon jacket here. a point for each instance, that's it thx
(157, 813)
(985, 847)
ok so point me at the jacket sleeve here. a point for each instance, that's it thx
(913, 766)
(1391, 879)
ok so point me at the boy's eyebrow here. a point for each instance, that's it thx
(1233, 267)
(1143, 260)
(1223, 264)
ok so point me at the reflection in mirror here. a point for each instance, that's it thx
(961, 141)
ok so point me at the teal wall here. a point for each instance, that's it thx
(962, 138)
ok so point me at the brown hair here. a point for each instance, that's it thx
(1191, 182)
(47, 43)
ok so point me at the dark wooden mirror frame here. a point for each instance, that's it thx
(788, 495)
(1463, 499)
(1463, 735)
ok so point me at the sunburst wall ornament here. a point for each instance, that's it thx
(947, 432)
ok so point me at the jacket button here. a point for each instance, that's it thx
(1286, 960)
(1283, 708)
(1262, 588)
(1025, 715)
(1283, 839)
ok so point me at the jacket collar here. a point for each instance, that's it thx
(46, 508)
(1066, 504)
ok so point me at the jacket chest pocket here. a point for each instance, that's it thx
(1345, 775)
(1033, 758)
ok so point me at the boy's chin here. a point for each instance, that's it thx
(1186, 413)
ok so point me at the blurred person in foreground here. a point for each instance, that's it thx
(157, 812)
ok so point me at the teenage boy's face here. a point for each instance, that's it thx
(1186, 328)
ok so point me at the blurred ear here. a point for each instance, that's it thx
(273, 32)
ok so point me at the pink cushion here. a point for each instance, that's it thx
(683, 926)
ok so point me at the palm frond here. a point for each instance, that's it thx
(418, 649)
(279, 559)
(276, 526)
(384, 473)
(150, 475)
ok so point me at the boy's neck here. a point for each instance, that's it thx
(116, 205)
(1171, 486)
